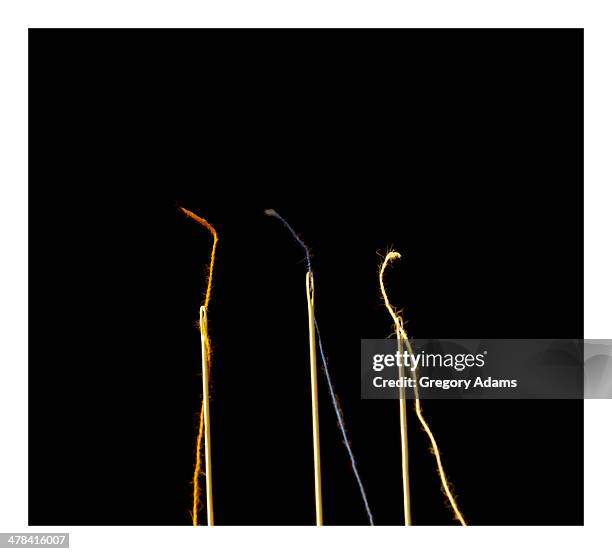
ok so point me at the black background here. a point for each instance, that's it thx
(461, 149)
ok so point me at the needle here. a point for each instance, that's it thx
(206, 417)
(314, 391)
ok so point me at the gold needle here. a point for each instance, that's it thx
(314, 399)
(206, 411)
(404, 435)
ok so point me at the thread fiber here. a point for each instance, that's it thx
(205, 337)
(399, 326)
(328, 379)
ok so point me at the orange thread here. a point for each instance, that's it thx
(206, 339)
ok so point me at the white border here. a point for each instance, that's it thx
(16, 16)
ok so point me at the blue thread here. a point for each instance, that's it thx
(330, 386)
(275, 214)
